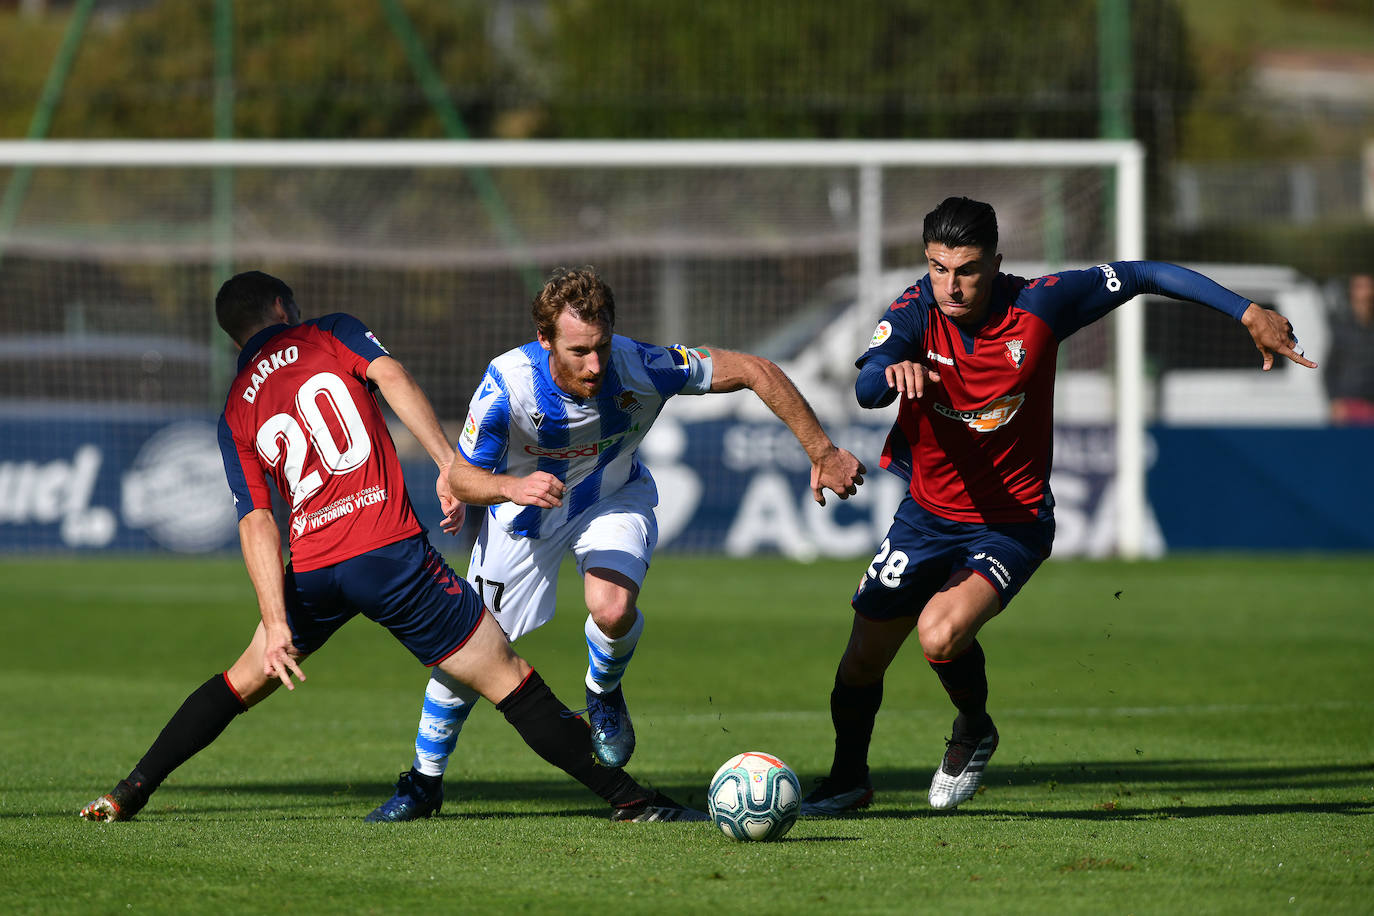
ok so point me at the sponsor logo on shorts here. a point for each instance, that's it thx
(987, 418)
(999, 572)
(570, 452)
(881, 333)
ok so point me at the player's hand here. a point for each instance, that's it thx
(838, 471)
(540, 489)
(910, 378)
(1273, 333)
(455, 511)
(279, 657)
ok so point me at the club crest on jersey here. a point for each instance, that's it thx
(987, 418)
(1016, 352)
(881, 333)
(627, 401)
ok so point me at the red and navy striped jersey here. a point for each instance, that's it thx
(978, 446)
(302, 412)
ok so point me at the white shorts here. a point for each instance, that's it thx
(517, 577)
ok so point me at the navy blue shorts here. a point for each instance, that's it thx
(405, 586)
(922, 550)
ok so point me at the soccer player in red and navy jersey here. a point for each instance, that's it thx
(302, 412)
(969, 353)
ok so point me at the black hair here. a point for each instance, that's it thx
(962, 223)
(245, 301)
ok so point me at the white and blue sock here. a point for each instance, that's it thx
(607, 658)
(446, 707)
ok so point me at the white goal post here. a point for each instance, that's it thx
(870, 162)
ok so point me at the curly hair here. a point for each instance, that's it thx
(579, 291)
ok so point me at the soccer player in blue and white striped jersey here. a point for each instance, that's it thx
(550, 447)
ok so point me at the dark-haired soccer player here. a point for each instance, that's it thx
(970, 352)
(302, 412)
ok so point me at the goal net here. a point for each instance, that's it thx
(115, 371)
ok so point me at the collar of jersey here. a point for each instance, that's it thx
(254, 344)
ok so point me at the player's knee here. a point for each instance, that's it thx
(613, 618)
(941, 641)
(252, 685)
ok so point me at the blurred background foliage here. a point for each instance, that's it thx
(1201, 81)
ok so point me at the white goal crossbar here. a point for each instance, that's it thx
(1124, 158)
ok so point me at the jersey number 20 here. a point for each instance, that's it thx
(283, 429)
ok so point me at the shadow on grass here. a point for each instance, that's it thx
(1183, 781)
(463, 799)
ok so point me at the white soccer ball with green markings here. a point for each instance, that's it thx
(754, 796)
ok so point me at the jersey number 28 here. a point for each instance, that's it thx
(887, 567)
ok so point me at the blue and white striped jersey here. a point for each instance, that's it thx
(519, 422)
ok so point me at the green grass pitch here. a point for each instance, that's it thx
(1189, 735)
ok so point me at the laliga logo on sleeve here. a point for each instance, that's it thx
(881, 333)
(373, 337)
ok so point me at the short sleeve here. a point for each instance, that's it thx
(677, 369)
(247, 482)
(486, 431)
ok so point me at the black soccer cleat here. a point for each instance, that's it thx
(834, 797)
(119, 804)
(655, 809)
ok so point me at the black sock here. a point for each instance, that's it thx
(565, 741)
(965, 679)
(205, 713)
(852, 710)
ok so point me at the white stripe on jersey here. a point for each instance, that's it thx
(519, 422)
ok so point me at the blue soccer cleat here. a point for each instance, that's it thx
(411, 802)
(613, 735)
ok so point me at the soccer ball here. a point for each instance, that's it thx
(754, 796)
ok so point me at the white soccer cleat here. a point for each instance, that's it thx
(961, 772)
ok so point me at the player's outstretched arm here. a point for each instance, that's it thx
(414, 409)
(1273, 333)
(261, 545)
(832, 467)
(481, 487)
